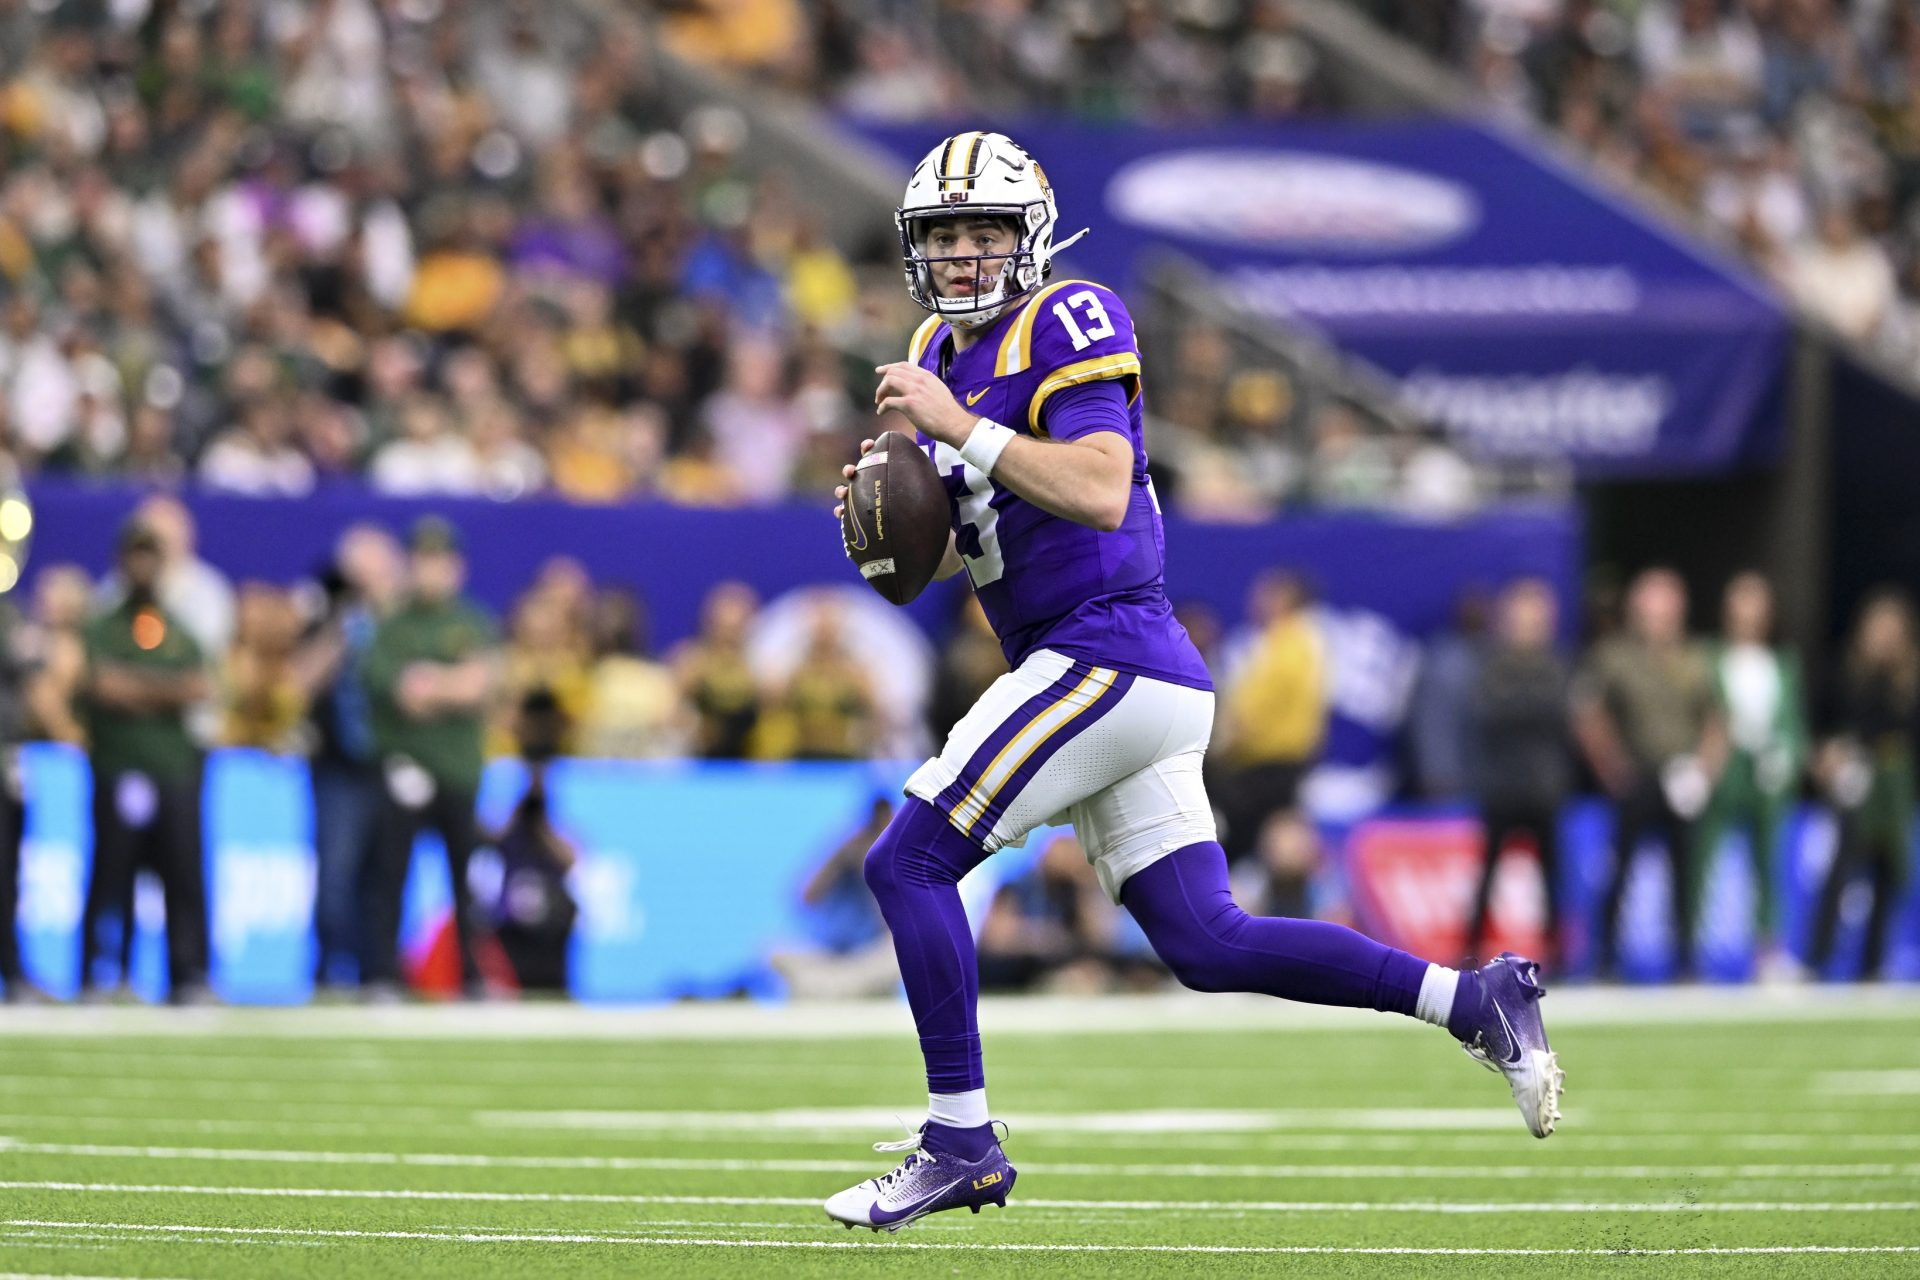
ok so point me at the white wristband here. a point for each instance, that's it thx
(985, 445)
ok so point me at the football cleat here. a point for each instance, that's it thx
(926, 1182)
(1509, 1037)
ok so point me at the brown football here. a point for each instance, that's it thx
(897, 518)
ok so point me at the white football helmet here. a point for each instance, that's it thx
(988, 175)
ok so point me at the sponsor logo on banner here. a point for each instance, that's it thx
(1414, 880)
(1334, 293)
(260, 892)
(52, 881)
(1371, 667)
(1581, 411)
(606, 888)
(1270, 199)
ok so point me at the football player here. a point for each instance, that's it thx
(1026, 391)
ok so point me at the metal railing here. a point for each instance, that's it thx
(1182, 306)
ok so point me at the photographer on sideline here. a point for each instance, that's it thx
(533, 914)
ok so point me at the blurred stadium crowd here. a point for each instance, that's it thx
(456, 248)
(1790, 128)
(1787, 126)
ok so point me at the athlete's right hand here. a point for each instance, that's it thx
(840, 490)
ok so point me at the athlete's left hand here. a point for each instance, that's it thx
(924, 400)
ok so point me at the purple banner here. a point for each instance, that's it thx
(1532, 313)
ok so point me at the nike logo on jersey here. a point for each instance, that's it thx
(973, 396)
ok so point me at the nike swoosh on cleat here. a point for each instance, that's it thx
(913, 1208)
(1512, 1039)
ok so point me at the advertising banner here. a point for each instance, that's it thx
(1412, 874)
(690, 879)
(689, 875)
(1532, 313)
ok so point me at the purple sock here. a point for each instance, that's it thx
(968, 1144)
(914, 870)
(1467, 999)
(1188, 913)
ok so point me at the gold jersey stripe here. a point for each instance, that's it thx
(1123, 365)
(1034, 736)
(1016, 349)
(922, 338)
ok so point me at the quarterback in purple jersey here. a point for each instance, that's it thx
(1026, 392)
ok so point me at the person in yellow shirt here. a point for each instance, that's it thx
(634, 709)
(544, 652)
(263, 697)
(740, 35)
(715, 677)
(828, 698)
(1273, 713)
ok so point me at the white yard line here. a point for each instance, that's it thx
(1129, 1206)
(480, 1237)
(1904, 1081)
(725, 1165)
(1258, 1141)
(1041, 1015)
(862, 1119)
(411, 1095)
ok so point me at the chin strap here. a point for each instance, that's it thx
(1060, 248)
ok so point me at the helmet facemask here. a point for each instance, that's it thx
(999, 278)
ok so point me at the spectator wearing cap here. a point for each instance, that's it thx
(193, 590)
(431, 673)
(144, 671)
(364, 585)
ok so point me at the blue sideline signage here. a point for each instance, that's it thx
(690, 876)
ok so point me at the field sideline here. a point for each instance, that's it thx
(1707, 1132)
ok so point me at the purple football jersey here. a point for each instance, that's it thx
(1045, 582)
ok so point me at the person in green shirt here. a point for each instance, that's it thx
(20, 663)
(429, 676)
(144, 670)
(1760, 687)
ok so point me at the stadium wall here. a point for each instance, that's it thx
(690, 878)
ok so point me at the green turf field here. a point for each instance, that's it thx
(1705, 1134)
